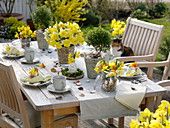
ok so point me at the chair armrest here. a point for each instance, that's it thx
(153, 64)
(135, 58)
(164, 83)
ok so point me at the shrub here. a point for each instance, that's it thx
(8, 30)
(164, 48)
(67, 10)
(91, 19)
(108, 9)
(139, 14)
(142, 7)
(42, 17)
(99, 38)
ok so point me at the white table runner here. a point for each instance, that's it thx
(94, 106)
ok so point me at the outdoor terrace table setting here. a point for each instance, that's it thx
(77, 98)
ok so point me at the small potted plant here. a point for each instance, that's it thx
(100, 39)
(42, 18)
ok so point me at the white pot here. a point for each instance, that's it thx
(90, 65)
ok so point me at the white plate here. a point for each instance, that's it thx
(23, 60)
(36, 84)
(52, 89)
(12, 56)
(130, 77)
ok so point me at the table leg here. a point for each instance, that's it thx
(158, 101)
(121, 122)
(110, 121)
(47, 119)
(150, 104)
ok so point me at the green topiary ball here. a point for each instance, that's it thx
(99, 38)
(42, 17)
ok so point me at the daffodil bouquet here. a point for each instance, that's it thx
(64, 35)
(118, 28)
(25, 33)
(110, 69)
(159, 119)
(72, 57)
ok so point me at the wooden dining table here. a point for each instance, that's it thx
(47, 102)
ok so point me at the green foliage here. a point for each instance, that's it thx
(157, 10)
(10, 21)
(91, 19)
(164, 48)
(42, 17)
(160, 10)
(10, 28)
(65, 72)
(99, 38)
(108, 9)
(139, 14)
(142, 7)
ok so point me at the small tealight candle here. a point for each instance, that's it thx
(87, 81)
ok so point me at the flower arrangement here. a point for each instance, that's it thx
(159, 119)
(72, 57)
(64, 35)
(118, 28)
(25, 32)
(111, 69)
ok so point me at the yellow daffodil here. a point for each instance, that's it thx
(25, 32)
(34, 71)
(72, 57)
(134, 124)
(8, 48)
(159, 119)
(66, 34)
(155, 124)
(118, 28)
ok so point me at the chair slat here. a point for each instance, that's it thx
(143, 37)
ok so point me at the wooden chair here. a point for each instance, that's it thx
(165, 82)
(144, 39)
(14, 111)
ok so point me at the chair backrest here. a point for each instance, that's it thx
(143, 37)
(11, 100)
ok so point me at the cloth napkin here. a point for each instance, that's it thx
(36, 79)
(130, 95)
(13, 51)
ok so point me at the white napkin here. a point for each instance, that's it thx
(126, 95)
(36, 79)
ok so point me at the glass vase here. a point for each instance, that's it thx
(109, 84)
(25, 42)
